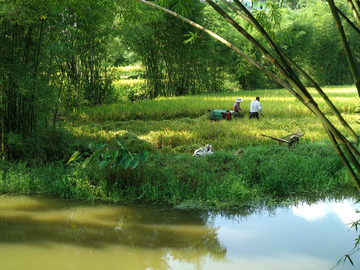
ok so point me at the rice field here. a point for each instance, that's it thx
(182, 124)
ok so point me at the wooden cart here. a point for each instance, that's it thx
(289, 139)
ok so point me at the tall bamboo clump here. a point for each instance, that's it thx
(19, 63)
(346, 150)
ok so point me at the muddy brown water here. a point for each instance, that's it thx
(38, 232)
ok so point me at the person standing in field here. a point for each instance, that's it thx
(237, 108)
(255, 108)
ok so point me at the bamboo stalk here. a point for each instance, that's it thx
(324, 96)
(344, 160)
(233, 47)
(345, 45)
(354, 11)
(248, 16)
(353, 26)
(357, 4)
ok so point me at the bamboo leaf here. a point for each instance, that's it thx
(347, 256)
(74, 156)
(192, 38)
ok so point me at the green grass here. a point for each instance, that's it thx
(262, 174)
(171, 129)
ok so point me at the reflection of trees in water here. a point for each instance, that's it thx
(161, 233)
(241, 214)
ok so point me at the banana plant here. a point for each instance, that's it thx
(113, 158)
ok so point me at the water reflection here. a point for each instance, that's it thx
(147, 235)
(342, 206)
(41, 233)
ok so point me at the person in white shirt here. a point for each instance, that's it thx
(255, 108)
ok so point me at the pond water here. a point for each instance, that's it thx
(39, 233)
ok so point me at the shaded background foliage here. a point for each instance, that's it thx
(175, 65)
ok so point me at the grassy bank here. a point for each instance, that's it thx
(222, 180)
(171, 129)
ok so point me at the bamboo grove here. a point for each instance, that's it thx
(57, 55)
(51, 52)
(345, 149)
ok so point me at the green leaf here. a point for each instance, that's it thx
(74, 156)
(95, 154)
(143, 155)
(114, 155)
(103, 163)
(134, 163)
(86, 162)
(121, 143)
(123, 147)
(125, 162)
(192, 38)
(106, 156)
(92, 146)
(118, 159)
(99, 146)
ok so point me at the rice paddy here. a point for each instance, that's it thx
(181, 124)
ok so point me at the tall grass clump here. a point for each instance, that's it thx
(223, 178)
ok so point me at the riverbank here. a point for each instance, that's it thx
(262, 174)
